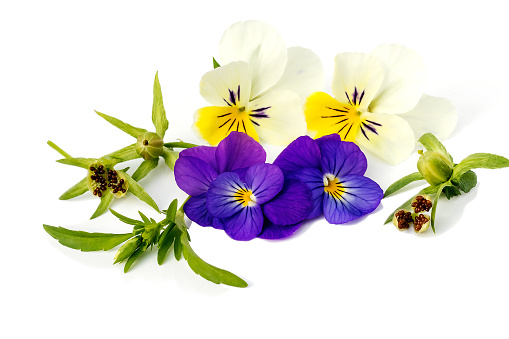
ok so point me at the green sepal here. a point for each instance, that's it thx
(76, 190)
(431, 143)
(215, 63)
(78, 162)
(451, 191)
(435, 204)
(125, 154)
(171, 211)
(468, 180)
(131, 130)
(146, 220)
(144, 169)
(126, 220)
(58, 149)
(479, 160)
(85, 241)
(158, 113)
(402, 183)
(170, 157)
(407, 204)
(127, 249)
(132, 259)
(166, 239)
(140, 193)
(105, 203)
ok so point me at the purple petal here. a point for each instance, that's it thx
(221, 196)
(193, 175)
(291, 205)
(196, 210)
(246, 224)
(242, 173)
(238, 150)
(303, 152)
(205, 153)
(273, 231)
(359, 196)
(330, 137)
(313, 178)
(341, 158)
(265, 181)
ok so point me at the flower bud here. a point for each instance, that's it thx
(421, 223)
(435, 167)
(402, 219)
(149, 145)
(127, 249)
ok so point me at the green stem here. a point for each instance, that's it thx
(59, 150)
(179, 144)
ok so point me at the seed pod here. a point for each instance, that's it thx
(435, 167)
(422, 203)
(149, 146)
(127, 249)
(94, 176)
(402, 219)
(119, 184)
(421, 223)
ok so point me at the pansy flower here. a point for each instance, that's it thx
(334, 172)
(260, 87)
(379, 103)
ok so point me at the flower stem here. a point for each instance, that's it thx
(179, 144)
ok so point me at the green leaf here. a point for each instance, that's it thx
(140, 193)
(479, 160)
(431, 143)
(126, 220)
(132, 259)
(144, 218)
(125, 154)
(166, 240)
(451, 191)
(215, 63)
(145, 167)
(467, 181)
(158, 113)
(131, 130)
(85, 241)
(407, 204)
(402, 183)
(76, 190)
(170, 157)
(105, 203)
(171, 211)
(207, 271)
(78, 162)
(58, 149)
(435, 204)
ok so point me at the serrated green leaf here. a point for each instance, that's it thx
(145, 167)
(402, 183)
(215, 63)
(125, 154)
(58, 149)
(131, 130)
(166, 240)
(132, 259)
(407, 204)
(467, 181)
(435, 204)
(479, 160)
(140, 193)
(158, 113)
(78, 162)
(106, 199)
(431, 143)
(76, 190)
(85, 241)
(126, 220)
(170, 157)
(451, 191)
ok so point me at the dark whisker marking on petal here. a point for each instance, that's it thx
(244, 125)
(229, 128)
(338, 110)
(374, 123)
(348, 98)
(224, 123)
(261, 109)
(333, 116)
(263, 115)
(362, 96)
(363, 132)
(220, 116)
(337, 123)
(342, 128)
(254, 122)
(355, 94)
(238, 93)
(238, 124)
(348, 130)
(370, 128)
(226, 102)
(232, 96)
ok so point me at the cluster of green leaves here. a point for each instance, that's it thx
(463, 179)
(171, 231)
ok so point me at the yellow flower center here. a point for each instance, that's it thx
(332, 186)
(245, 197)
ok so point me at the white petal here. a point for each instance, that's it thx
(221, 86)
(303, 73)
(261, 46)
(387, 136)
(405, 77)
(357, 78)
(285, 117)
(432, 114)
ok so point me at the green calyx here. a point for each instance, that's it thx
(435, 167)
(149, 146)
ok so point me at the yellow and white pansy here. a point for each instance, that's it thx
(379, 103)
(260, 87)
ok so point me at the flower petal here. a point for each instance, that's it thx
(265, 181)
(303, 74)
(237, 151)
(291, 205)
(193, 175)
(301, 153)
(357, 79)
(278, 117)
(405, 77)
(387, 136)
(222, 201)
(272, 231)
(313, 179)
(228, 85)
(196, 210)
(246, 224)
(261, 46)
(432, 115)
(341, 158)
(205, 153)
(360, 196)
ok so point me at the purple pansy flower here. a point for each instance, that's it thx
(334, 172)
(232, 188)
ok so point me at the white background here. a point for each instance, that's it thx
(61, 60)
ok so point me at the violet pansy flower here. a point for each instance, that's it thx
(334, 172)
